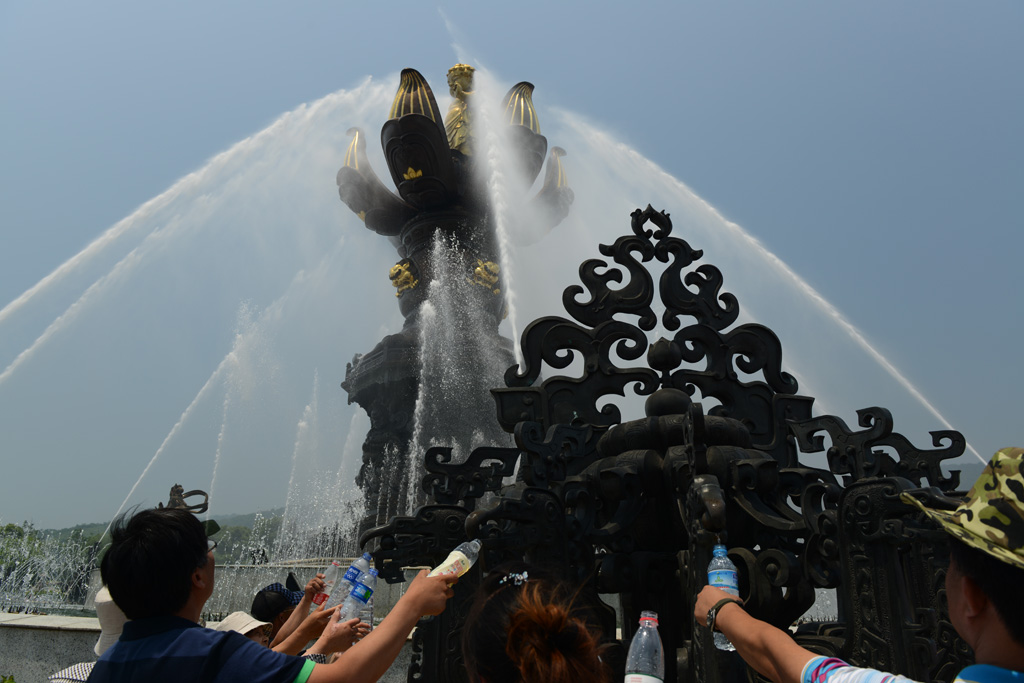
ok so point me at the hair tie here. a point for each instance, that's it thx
(514, 578)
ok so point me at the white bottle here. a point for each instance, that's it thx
(459, 560)
(344, 587)
(360, 595)
(645, 662)
(722, 574)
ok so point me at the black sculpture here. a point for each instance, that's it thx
(443, 225)
(177, 497)
(629, 510)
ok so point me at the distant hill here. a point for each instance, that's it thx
(246, 519)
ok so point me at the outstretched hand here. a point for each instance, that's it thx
(430, 594)
(339, 636)
(314, 624)
(706, 599)
(314, 586)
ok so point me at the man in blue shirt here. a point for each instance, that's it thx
(984, 590)
(159, 570)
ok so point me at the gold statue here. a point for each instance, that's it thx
(486, 275)
(457, 120)
(402, 277)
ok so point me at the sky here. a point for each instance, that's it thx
(875, 148)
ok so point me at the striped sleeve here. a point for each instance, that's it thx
(833, 670)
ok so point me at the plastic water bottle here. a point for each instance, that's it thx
(366, 613)
(338, 593)
(359, 596)
(331, 575)
(459, 560)
(722, 574)
(645, 662)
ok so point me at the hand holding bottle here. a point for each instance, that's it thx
(459, 560)
(722, 574)
(428, 595)
(708, 597)
(315, 587)
(339, 635)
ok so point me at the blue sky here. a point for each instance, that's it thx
(875, 147)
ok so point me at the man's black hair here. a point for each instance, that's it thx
(1001, 582)
(148, 566)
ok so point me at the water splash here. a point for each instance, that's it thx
(427, 322)
(496, 157)
(305, 437)
(122, 270)
(156, 217)
(460, 361)
(42, 573)
(244, 321)
(214, 376)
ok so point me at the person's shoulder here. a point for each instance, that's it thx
(259, 659)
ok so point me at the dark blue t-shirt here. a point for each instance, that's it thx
(173, 649)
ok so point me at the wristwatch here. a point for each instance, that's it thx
(713, 612)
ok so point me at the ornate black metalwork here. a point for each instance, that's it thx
(629, 510)
(454, 483)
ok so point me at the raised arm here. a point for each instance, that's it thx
(311, 628)
(371, 657)
(769, 650)
(338, 636)
(299, 614)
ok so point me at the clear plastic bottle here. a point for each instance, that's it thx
(331, 575)
(366, 613)
(645, 662)
(722, 574)
(362, 591)
(340, 592)
(459, 560)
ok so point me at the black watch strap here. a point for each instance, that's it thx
(713, 612)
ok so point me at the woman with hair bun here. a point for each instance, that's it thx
(525, 627)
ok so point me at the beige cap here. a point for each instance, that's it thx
(242, 622)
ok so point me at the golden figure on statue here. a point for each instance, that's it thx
(457, 120)
(402, 276)
(486, 275)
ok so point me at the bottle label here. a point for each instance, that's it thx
(351, 575)
(641, 678)
(457, 564)
(361, 592)
(725, 579)
(320, 598)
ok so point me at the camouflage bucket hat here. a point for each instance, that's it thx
(991, 518)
